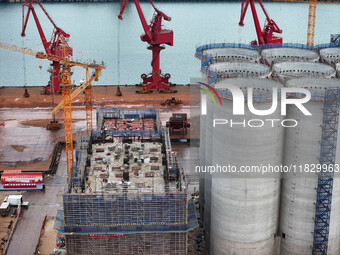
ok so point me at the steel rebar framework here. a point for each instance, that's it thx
(325, 178)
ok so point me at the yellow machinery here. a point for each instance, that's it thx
(66, 63)
(87, 88)
(311, 15)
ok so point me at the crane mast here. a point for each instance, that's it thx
(53, 47)
(66, 63)
(155, 36)
(265, 35)
(311, 15)
(311, 22)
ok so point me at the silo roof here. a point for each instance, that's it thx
(289, 53)
(262, 88)
(237, 52)
(240, 69)
(315, 85)
(303, 69)
(331, 53)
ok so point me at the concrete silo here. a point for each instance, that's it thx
(298, 192)
(232, 54)
(240, 69)
(330, 55)
(244, 210)
(208, 161)
(275, 55)
(202, 163)
(284, 70)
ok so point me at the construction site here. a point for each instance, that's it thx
(240, 160)
(127, 194)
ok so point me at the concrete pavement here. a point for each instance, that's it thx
(42, 203)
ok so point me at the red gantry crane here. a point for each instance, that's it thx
(264, 36)
(53, 47)
(155, 36)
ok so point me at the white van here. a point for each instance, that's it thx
(15, 200)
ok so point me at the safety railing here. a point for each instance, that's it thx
(127, 133)
(206, 60)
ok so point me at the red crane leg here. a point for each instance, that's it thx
(156, 80)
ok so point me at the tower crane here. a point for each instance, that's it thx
(155, 36)
(52, 47)
(66, 62)
(311, 15)
(264, 36)
(86, 88)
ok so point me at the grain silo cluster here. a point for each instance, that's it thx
(273, 213)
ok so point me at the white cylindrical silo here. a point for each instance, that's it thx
(244, 210)
(275, 55)
(330, 55)
(284, 70)
(202, 157)
(240, 69)
(232, 54)
(298, 192)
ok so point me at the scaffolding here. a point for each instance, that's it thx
(125, 212)
(117, 113)
(325, 178)
(207, 62)
(82, 142)
(141, 236)
(127, 244)
(132, 219)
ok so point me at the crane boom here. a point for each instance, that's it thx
(141, 17)
(264, 36)
(30, 8)
(18, 49)
(75, 93)
(63, 60)
(52, 47)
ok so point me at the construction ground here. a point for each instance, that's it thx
(27, 145)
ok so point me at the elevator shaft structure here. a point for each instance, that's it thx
(325, 178)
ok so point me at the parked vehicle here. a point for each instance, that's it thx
(4, 209)
(15, 200)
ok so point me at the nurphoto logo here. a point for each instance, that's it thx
(282, 97)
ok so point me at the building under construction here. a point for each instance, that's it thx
(127, 195)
